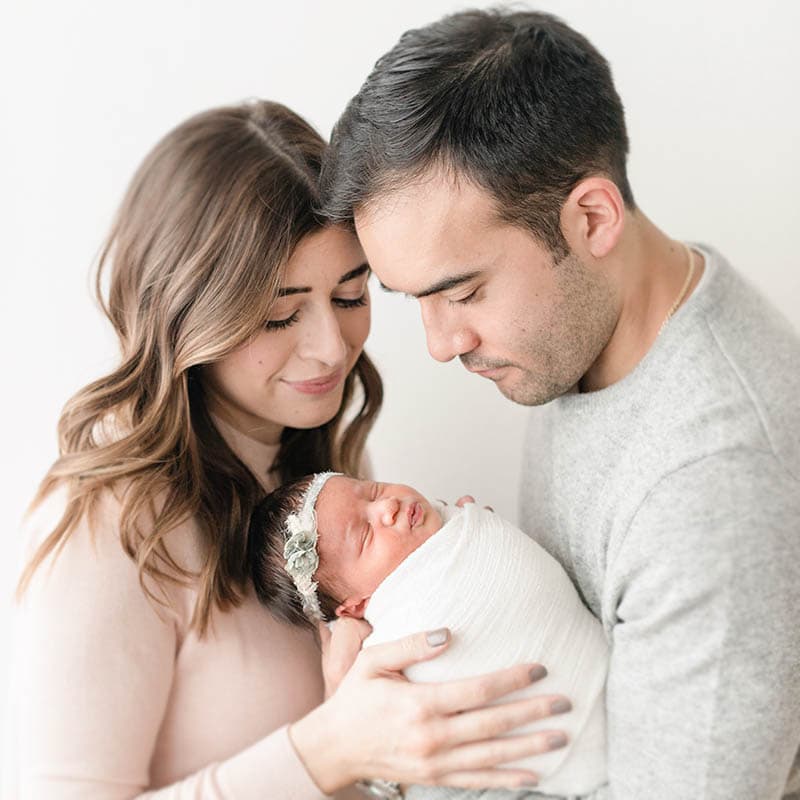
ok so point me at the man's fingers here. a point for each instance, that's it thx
(396, 656)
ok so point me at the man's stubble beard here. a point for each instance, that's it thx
(563, 348)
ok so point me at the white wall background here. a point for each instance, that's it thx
(710, 88)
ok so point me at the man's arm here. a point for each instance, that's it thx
(704, 682)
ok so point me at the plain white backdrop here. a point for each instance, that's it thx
(710, 88)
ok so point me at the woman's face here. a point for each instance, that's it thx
(292, 373)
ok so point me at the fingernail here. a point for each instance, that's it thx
(529, 782)
(537, 673)
(560, 706)
(556, 740)
(438, 637)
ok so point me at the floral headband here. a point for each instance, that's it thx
(300, 548)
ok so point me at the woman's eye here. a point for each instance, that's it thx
(345, 302)
(280, 324)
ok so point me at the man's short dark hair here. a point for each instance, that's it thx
(517, 102)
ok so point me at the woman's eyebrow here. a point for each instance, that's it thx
(348, 276)
(354, 273)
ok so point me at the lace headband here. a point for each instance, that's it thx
(300, 548)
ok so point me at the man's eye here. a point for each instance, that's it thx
(462, 301)
(280, 324)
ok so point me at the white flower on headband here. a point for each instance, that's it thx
(300, 547)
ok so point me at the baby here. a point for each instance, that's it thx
(328, 546)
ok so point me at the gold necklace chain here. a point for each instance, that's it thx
(685, 288)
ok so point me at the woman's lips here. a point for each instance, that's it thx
(318, 385)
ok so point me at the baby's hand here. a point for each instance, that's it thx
(468, 498)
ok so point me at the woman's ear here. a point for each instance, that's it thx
(353, 607)
(593, 217)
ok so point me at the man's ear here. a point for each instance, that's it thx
(353, 607)
(593, 217)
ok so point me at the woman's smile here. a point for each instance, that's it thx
(320, 385)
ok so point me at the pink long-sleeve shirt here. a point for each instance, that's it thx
(114, 698)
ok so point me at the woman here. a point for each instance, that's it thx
(144, 663)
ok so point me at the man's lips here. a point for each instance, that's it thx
(319, 385)
(485, 370)
(489, 372)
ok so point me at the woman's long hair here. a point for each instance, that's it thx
(196, 257)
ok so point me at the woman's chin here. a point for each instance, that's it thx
(316, 410)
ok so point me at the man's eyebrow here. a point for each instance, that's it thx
(440, 286)
(348, 276)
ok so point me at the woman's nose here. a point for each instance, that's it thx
(323, 341)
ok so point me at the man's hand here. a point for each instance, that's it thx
(340, 648)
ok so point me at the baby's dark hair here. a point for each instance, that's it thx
(274, 586)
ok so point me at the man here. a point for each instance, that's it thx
(483, 164)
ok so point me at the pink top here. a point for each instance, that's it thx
(112, 698)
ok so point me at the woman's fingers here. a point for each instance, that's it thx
(471, 693)
(491, 753)
(462, 501)
(396, 656)
(487, 723)
(500, 778)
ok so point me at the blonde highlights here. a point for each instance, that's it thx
(194, 259)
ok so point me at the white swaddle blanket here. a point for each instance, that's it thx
(506, 601)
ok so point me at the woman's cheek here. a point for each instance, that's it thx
(355, 328)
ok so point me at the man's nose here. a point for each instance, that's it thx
(446, 341)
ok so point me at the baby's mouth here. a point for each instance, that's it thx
(414, 514)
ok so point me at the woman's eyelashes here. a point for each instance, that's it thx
(280, 324)
(344, 302)
(339, 302)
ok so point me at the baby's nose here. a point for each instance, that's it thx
(390, 507)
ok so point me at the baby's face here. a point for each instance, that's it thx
(366, 529)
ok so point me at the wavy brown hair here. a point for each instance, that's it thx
(196, 256)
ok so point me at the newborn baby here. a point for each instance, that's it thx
(329, 545)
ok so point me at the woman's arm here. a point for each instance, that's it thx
(95, 666)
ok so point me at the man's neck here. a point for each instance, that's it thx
(651, 272)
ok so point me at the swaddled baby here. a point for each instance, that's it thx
(330, 545)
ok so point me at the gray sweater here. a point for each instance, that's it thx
(672, 498)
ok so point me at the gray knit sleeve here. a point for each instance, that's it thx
(703, 691)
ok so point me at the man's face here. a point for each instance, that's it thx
(488, 291)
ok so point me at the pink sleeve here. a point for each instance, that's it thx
(93, 672)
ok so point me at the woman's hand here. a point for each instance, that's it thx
(379, 725)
